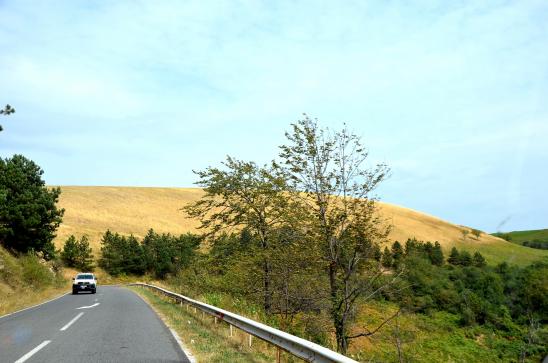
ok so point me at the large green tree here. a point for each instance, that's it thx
(334, 186)
(244, 195)
(29, 215)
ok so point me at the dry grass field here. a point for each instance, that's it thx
(133, 210)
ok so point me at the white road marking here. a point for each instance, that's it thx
(88, 307)
(71, 322)
(189, 355)
(32, 352)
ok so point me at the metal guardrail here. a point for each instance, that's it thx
(299, 347)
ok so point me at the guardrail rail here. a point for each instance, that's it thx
(299, 347)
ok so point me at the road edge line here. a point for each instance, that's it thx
(179, 341)
(189, 355)
(34, 306)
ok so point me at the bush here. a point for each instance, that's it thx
(35, 274)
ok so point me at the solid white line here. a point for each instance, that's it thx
(88, 307)
(71, 322)
(182, 346)
(34, 306)
(32, 352)
(187, 352)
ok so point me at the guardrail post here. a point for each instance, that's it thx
(250, 339)
(215, 320)
(278, 355)
(230, 330)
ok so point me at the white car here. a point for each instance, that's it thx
(85, 281)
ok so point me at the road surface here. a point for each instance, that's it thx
(114, 325)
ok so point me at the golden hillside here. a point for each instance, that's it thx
(93, 210)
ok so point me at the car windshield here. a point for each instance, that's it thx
(85, 277)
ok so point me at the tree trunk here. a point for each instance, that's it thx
(266, 288)
(338, 320)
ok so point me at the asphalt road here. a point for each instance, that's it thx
(114, 325)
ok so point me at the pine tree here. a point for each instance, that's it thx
(387, 260)
(436, 256)
(454, 257)
(70, 252)
(28, 212)
(77, 253)
(134, 257)
(465, 258)
(84, 259)
(478, 260)
(377, 254)
(397, 253)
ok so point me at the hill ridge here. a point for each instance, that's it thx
(92, 210)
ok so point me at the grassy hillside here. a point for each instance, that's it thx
(521, 236)
(26, 280)
(93, 210)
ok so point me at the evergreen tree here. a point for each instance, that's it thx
(410, 246)
(465, 258)
(28, 212)
(77, 253)
(135, 262)
(428, 247)
(112, 253)
(70, 252)
(377, 254)
(478, 259)
(454, 257)
(397, 253)
(436, 257)
(387, 260)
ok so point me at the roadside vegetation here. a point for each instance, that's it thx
(298, 245)
(30, 271)
(28, 280)
(208, 342)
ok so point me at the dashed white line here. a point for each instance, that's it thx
(88, 307)
(32, 352)
(71, 322)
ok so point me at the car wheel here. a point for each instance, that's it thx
(74, 292)
(93, 291)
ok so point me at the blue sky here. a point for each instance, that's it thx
(453, 95)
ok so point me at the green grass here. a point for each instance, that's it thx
(26, 281)
(521, 236)
(504, 252)
(208, 342)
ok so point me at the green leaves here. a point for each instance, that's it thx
(8, 110)
(28, 213)
(157, 254)
(77, 253)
